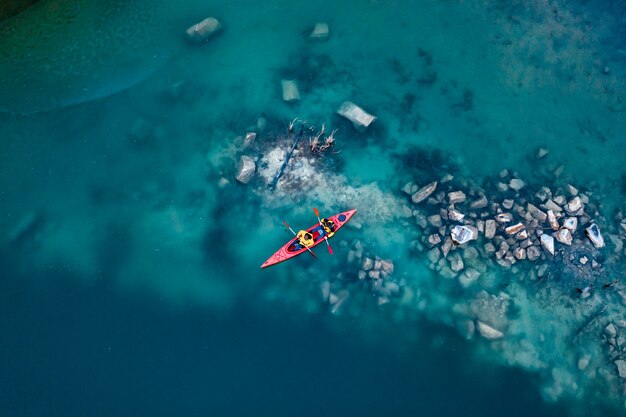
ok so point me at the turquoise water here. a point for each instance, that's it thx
(130, 280)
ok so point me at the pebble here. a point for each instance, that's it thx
(507, 204)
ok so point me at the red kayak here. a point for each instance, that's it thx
(294, 248)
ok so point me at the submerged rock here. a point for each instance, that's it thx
(290, 90)
(359, 117)
(320, 31)
(487, 331)
(620, 364)
(204, 30)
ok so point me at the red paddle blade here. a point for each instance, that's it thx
(317, 213)
(330, 250)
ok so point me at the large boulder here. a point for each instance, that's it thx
(246, 169)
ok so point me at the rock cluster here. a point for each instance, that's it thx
(374, 271)
(511, 224)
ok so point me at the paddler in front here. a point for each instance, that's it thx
(329, 227)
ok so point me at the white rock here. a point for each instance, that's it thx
(574, 205)
(511, 230)
(320, 31)
(547, 242)
(564, 236)
(541, 152)
(532, 253)
(487, 331)
(434, 239)
(571, 190)
(246, 169)
(455, 215)
(519, 253)
(536, 213)
(593, 233)
(359, 117)
(463, 234)
(456, 197)
(203, 30)
(424, 192)
(570, 223)
(516, 184)
(583, 260)
(290, 90)
(552, 220)
(490, 229)
(551, 205)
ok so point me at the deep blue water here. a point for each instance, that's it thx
(70, 350)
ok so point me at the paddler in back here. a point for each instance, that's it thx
(305, 238)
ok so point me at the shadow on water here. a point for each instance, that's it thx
(72, 349)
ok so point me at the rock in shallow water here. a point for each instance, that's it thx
(487, 331)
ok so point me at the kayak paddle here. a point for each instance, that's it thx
(317, 213)
(295, 234)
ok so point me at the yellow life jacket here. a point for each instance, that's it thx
(306, 238)
(327, 227)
